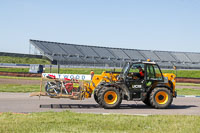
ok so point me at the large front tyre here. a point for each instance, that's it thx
(95, 96)
(147, 100)
(109, 98)
(161, 97)
(96, 91)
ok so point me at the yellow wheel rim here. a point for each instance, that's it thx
(161, 97)
(110, 97)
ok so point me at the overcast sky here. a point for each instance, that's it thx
(169, 25)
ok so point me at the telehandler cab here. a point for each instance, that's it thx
(153, 88)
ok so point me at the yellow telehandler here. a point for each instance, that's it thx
(153, 88)
(138, 81)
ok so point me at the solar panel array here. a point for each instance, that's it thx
(64, 53)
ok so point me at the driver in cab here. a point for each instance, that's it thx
(140, 74)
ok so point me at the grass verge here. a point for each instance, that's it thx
(23, 60)
(188, 84)
(187, 91)
(184, 73)
(89, 123)
(83, 70)
(19, 88)
(26, 78)
(25, 70)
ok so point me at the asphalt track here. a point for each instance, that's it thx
(22, 103)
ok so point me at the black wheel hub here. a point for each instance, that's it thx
(161, 97)
(110, 97)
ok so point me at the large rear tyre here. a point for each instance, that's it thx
(161, 98)
(109, 98)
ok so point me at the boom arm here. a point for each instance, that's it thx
(104, 77)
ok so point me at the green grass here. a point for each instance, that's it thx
(180, 73)
(23, 60)
(185, 73)
(187, 91)
(188, 84)
(19, 88)
(25, 78)
(62, 70)
(25, 70)
(71, 122)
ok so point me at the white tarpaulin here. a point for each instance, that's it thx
(69, 76)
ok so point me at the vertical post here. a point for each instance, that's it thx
(58, 68)
(50, 68)
(61, 87)
(41, 82)
(82, 91)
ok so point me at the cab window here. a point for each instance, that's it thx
(134, 68)
(153, 72)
